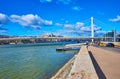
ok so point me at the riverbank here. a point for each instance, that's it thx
(92, 63)
(65, 70)
(79, 67)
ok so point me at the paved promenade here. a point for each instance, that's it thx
(92, 63)
(107, 63)
(82, 67)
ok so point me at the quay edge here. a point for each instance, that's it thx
(79, 67)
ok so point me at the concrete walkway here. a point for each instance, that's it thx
(82, 67)
(106, 63)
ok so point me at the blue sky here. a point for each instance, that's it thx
(60, 17)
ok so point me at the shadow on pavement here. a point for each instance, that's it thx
(97, 67)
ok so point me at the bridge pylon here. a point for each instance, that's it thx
(92, 28)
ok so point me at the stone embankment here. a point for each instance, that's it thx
(64, 71)
(79, 67)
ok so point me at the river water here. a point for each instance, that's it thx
(31, 61)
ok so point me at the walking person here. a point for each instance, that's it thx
(87, 44)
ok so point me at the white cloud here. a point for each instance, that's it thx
(47, 23)
(88, 28)
(49, 0)
(79, 29)
(77, 8)
(79, 25)
(58, 24)
(57, 1)
(45, 1)
(69, 26)
(30, 20)
(100, 33)
(2, 30)
(85, 29)
(66, 32)
(115, 19)
(97, 28)
(3, 19)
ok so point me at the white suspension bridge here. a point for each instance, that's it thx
(92, 37)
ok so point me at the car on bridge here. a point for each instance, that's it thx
(110, 45)
(102, 44)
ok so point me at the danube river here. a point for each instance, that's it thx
(32, 61)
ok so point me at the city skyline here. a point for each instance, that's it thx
(60, 17)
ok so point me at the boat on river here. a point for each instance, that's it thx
(70, 47)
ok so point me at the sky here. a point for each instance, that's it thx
(59, 17)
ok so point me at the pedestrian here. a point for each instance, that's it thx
(87, 45)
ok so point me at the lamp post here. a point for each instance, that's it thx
(114, 35)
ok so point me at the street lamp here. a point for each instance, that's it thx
(114, 35)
